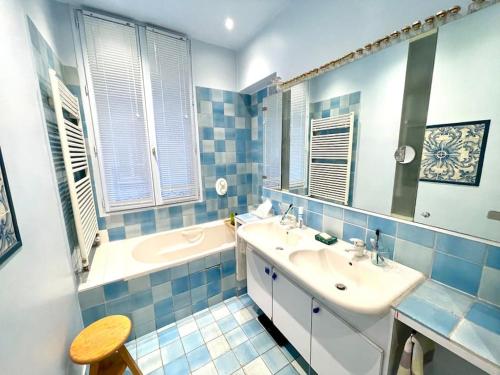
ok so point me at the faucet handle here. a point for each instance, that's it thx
(357, 242)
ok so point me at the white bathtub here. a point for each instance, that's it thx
(131, 258)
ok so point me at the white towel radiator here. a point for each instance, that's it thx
(330, 157)
(69, 124)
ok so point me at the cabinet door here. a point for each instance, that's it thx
(292, 313)
(338, 349)
(259, 282)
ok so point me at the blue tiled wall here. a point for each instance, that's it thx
(470, 266)
(225, 133)
(160, 298)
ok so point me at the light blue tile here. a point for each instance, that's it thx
(235, 337)
(435, 318)
(456, 272)
(486, 316)
(352, 231)
(147, 344)
(199, 294)
(245, 353)
(197, 279)
(226, 364)
(356, 218)
(385, 226)
(262, 342)
(416, 234)
(172, 351)
(162, 291)
(444, 297)
(91, 297)
(478, 340)
(179, 271)
(196, 265)
(227, 323)
(315, 206)
(212, 260)
(180, 285)
(93, 313)
(139, 284)
(414, 256)
(227, 255)
(163, 307)
(164, 320)
(245, 300)
(234, 304)
(182, 300)
(489, 288)
(143, 315)
(192, 341)
(141, 299)
(274, 359)
(178, 367)
(472, 251)
(287, 370)
(252, 328)
(204, 318)
(119, 306)
(168, 335)
(228, 268)
(493, 257)
(198, 358)
(115, 290)
(314, 220)
(333, 211)
(150, 362)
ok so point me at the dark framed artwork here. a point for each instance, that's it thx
(10, 240)
(454, 153)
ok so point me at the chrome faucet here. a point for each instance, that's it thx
(377, 259)
(284, 216)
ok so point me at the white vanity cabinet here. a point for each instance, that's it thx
(338, 349)
(259, 282)
(292, 313)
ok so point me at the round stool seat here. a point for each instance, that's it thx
(100, 340)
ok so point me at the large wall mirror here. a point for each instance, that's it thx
(412, 131)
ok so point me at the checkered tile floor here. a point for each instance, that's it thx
(224, 339)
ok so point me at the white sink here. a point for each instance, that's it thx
(329, 272)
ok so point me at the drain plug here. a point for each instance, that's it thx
(279, 248)
(340, 286)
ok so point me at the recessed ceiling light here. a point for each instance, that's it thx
(229, 23)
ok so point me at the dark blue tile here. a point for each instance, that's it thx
(210, 193)
(416, 234)
(356, 218)
(180, 285)
(116, 234)
(119, 306)
(334, 103)
(487, 316)
(228, 96)
(242, 200)
(200, 208)
(92, 314)
(200, 305)
(386, 243)
(218, 108)
(202, 93)
(352, 231)
(385, 226)
(220, 146)
(164, 320)
(230, 134)
(213, 274)
(159, 277)
(148, 228)
(354, 98)
(213, 288)
(493, 257)
(228, 268)
(456, 272)
(231, 169)
(198, 279)
(207, 158)
(325, 113)
(141, 299)
(207, 133)
(229, 293)
(229, 122)
(175, 211)
(163, 307)
(314, 220)
(218, 120)
(472, 251)
(115, 290)
(432, 316)
(212, 216)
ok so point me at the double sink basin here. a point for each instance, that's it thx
(329, 272)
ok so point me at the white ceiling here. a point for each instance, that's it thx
(200, 19)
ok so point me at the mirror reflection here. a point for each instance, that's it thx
(414, 125)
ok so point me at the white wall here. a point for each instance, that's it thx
(380, 78)
(311, 33)
(213, 66)
(465, 87)
(39, 313)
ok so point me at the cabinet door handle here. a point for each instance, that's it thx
(315, 310)
(274, 276)
(267, 270)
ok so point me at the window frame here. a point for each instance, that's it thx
(89, 109)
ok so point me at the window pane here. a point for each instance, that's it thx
(170, 71)
(272, 141)
(298, 136)
(117, 88)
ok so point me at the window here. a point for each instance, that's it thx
(141, 101)
(299, 119)
(272, 116)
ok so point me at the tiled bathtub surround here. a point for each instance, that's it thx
(155, 300)
(470, 266)
(224, 125)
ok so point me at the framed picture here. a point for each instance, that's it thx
(10, 240)
(454, 153)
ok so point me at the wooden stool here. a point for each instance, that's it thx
(101, 345)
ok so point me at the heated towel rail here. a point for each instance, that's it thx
(69, 124)
(330, 157)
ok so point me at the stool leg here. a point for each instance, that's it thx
(127, 358)
(94, 369)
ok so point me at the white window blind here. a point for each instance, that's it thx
(272, 141)
(116, 87)
(299, 119)
(170, 74)
(141, 100)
